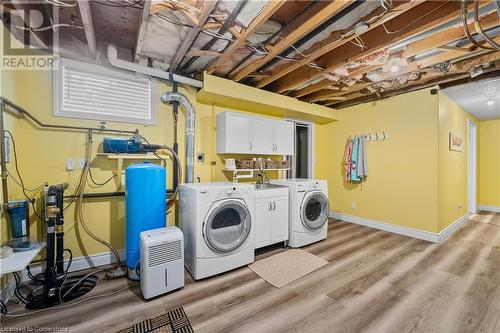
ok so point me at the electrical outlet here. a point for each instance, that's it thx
(70, 164)
(353, 205)
(81, 163)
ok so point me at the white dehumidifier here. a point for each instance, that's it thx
(162, 261)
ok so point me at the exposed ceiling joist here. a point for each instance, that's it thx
(142, 28)
(203, 53)
(266, 13)
(418, 20)
(88, 26)
(325, 83)
(336, 39)
(447, 36)
(320, 17)
(207, 8)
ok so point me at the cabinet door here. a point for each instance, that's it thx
(284, 137)
(262, 136)
(238, 133)
(262, 224)
(279, 229)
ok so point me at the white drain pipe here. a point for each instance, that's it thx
(127, 65)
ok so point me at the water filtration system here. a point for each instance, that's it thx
(145, 207)
(19, 226)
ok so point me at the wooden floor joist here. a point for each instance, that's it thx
(266, 13)
(335, 40)
(420, 19)
(206, 10)
(320, 17)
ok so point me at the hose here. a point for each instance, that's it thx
(480, 30)
(171, 201)
(81, 218)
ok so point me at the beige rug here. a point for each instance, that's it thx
(285, 267)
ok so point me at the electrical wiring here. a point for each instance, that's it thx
(72, 304)
(16, 165)
(464, 14)
(3, 308)
(479, 29)
(100, 184)
(416, 20)
(21, 186)
(81, 191)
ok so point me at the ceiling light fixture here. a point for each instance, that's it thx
(490, 103)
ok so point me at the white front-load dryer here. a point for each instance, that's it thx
(217, 222)
(309, 210)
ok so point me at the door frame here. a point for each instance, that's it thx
(472, 166)
(311, 154)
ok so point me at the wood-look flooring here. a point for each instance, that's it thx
(375, 282)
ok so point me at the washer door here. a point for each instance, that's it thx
(314, 210)
(227, 225)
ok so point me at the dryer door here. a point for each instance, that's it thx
(227, 226)
(314, 210)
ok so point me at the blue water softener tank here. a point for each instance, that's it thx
(18, 212)
(145, 205)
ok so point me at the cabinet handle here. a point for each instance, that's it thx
(274, 208)
(270, 206)
(251, 146)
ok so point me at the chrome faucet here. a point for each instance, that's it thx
(262, 178)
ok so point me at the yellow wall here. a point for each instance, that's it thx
(489, 163)
(402, 185)
(43, 154)
(453, 165)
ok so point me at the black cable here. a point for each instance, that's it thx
(162, 159)
(19, 174)
(3, 308)
(31, 276)
(101, 184)
(17, 292)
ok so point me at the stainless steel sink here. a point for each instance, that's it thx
(267, 186)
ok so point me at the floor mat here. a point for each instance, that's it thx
(288, 266)
(174, 321)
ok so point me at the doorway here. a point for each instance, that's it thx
(472, 167)
(302, 164)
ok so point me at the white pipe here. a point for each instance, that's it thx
(115, 61)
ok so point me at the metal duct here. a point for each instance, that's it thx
(131, 66)
(170, 97)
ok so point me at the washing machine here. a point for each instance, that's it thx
(217, 220)
(309, 210)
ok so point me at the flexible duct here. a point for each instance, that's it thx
(115, 61)
(170, 97)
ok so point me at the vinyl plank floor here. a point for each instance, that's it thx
(375, 282)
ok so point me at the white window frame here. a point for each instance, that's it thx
(57, 84)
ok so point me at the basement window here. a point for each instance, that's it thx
(88, 91)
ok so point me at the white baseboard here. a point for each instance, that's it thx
(450, 230)
(494, 209)
(85, 262)
(410, 232)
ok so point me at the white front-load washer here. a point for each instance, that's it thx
(309, 210)
(217, 220)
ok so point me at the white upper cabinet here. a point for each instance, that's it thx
(283, 137)
(263, 136)
(234, 133)
(243, 134)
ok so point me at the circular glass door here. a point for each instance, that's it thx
(314, 210)
(227, 226)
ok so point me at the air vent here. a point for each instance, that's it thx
(164, 253)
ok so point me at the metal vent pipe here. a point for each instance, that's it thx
(170, 97)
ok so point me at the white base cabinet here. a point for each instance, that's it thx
(271, 217)
(239, 133)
